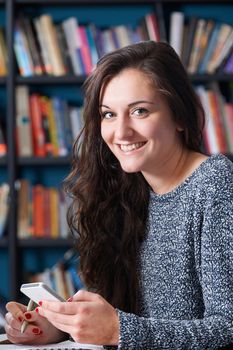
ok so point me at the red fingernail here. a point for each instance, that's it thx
(37, 309)
(69, 299)
(20, 319)
(28, 316)
(40, 303)
(36, 330)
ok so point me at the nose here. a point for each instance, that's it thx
(123, 128)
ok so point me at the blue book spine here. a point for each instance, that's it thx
(210, 49)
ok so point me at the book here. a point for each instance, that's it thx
(22, 53)
(3, 146)
(176, 31)
(52, 126)
(43, 46)
(229, 64)
(205, 40)
(214, 102)
(22, 187)
(90, 32)
(64, 49)
(70, 26)
(3, 54)
(52, 45)
(38, 214)
(37, 127)
(85, 49)
(189, 37)
(223, 34)
(152, 26)
(57, 106)
(23, 122)
(76, 121)
(4, 206)
(210, 48)
(49, 148)
(196, 48)
(28, 29)
(228, 121)
(122, 33)
(54, 212)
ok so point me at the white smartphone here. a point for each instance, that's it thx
(40, 291)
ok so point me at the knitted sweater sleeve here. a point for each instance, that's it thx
(215, 329)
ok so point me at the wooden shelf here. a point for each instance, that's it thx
(113, 2)
(84, 2)
(50, 80)
(45, 242)
(211, 77)
(63, 80)
(44, 161)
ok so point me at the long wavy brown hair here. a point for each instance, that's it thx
(109, 207)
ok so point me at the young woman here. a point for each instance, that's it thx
(154, 216)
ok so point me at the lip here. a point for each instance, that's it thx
(133, 150)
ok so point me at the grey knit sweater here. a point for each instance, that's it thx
(186, 266)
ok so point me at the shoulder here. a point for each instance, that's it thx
(216, 172)
(215, 175)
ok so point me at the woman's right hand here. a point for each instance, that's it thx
(38, 331)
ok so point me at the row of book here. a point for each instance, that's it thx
(41, 211)
(204, 45)
(4, 206)
(44, 47)
(62, 277)
(48, 126)
(218, 131)
(45, 126)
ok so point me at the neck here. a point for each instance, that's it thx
(170, 173)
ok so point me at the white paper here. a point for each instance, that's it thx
(63, 345)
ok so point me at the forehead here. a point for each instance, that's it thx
(129, 84)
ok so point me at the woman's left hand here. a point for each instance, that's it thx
(87, 317)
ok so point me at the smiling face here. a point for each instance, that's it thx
(137, 124)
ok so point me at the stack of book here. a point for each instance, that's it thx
(45, 126)
(204, 45)
(41, 211)
(43, 47)
(218, 132)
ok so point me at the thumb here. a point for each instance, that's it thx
(84, 295)
(16, 309)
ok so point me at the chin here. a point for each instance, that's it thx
(130, 168)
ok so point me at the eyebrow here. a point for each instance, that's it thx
(133, 103)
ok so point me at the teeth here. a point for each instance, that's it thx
(131, 147)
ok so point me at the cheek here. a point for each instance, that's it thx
(106, 133)
(103, 132)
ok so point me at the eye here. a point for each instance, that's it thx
(139, 112)
(107, 115)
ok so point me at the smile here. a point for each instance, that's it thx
(132, 146)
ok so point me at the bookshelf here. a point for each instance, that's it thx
(16, 253)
